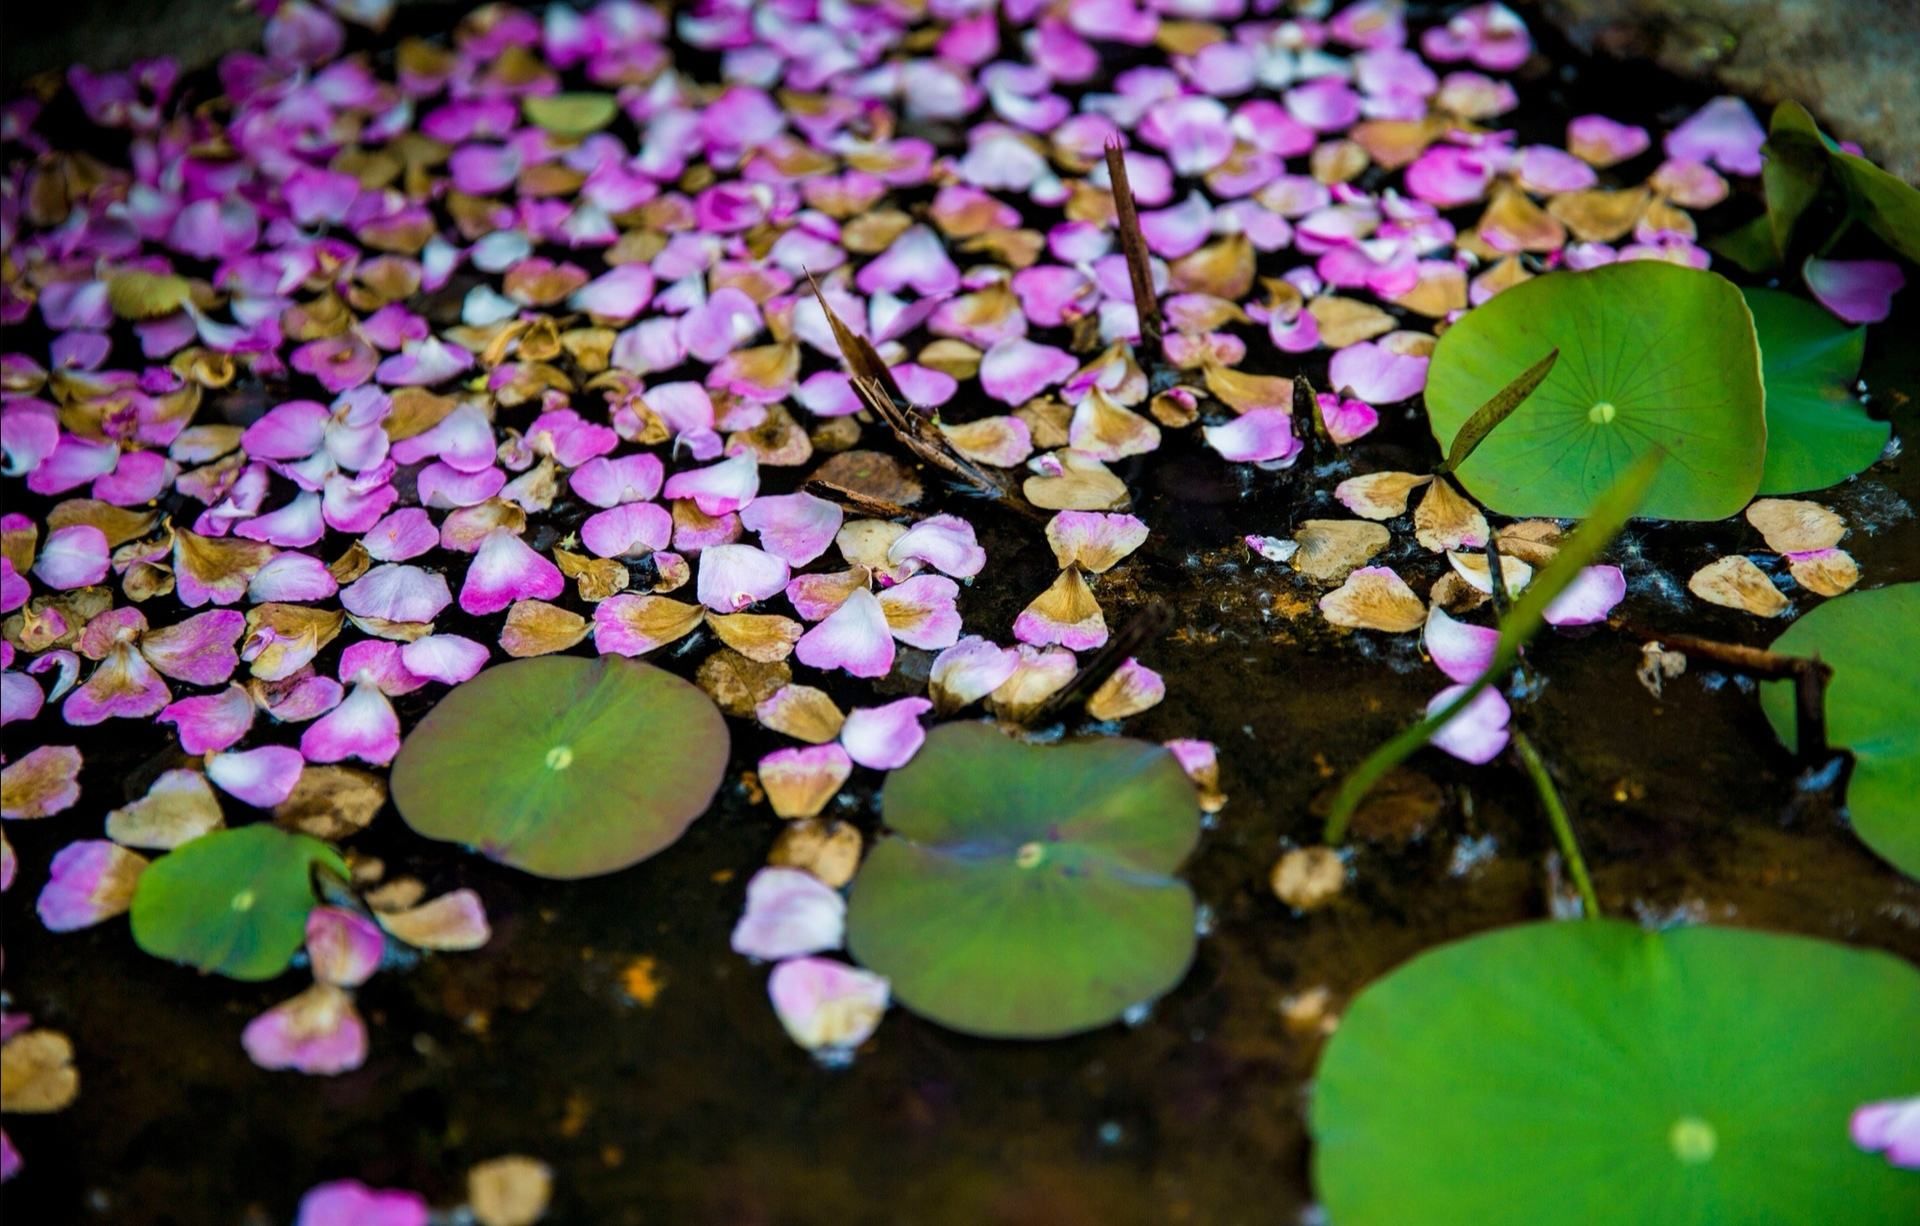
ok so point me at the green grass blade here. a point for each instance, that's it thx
(1493, 412)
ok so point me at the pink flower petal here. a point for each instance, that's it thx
(1858, 291)
(89, 881)
(795, 527)
(825, 1004)
(854, 637)
(1589, 598)
(970, 670)
(789, 912)
(1723, 132)
(318, 1032)
(1891, 1127)
(507, 569)
(344, 946)
(73, 556)
(1256, 436)
(885, 737)
(291, 577)
(123, 686)
(721, 488)
(364, 727)
(944, 542)
(1376, 374)
(608, 482)
(1016, 370)
(732, 577)
(397, 593)
(633, 530)
(200, 649)
(446, 658)
(1459, 649)
(921, 611)
(210, 723)
(1479, 732)
(261, 777)
(348, 1202)
(43, 781)
(1346, 419)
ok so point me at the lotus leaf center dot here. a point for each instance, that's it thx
(560, 757)
(243, 901)
(1030, 855)
(1693, 1140)
(1601, 414)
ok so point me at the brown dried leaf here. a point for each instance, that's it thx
(37, 1074)
(1331, 548)
(1794, 525)
(509, 1191)
(178, 808)
(1825, 572)
(829, 850)
(765, 638)
(736, 684)
(1375, 598)
(332, 802)
(536, 628)
(1446, 520)
(1734, 582)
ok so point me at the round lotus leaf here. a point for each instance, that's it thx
(1871, 640)
(1566, 1074)
(234, 902)
(1026, 891)
(1817, 433)
(570, 115)
(562, 766)
(1653, 357)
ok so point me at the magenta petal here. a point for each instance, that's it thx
(944, 542)
(89, 881)
(633, 530)
(1723, 132)
(200, 649)
(617, 295)
(446, 658)
(363, 727)
(1479, 732)
(292, 577)
(1459, 649)
(723, 487)
(854, 637)
(733, 577)
(210, 723)
(344, 946)
(317, 1032)
(1891, 1126)
(261, 777)
(608, 482)
(292, 431)
(122, 686)
(406, 533)
(1016, 370)
(1858, 291)
(348, 1202)
(789, 912)
(921, 611)
(1589, 598)
(1376, 374)
(74, 461)
(397, 593)
(1346, 419)
(970, 670)
(73, 556)
(824, 1004)
(62, 761)
(1256, 436)
(796, 527)
(20, 697)
(507, 569)
(885, 737)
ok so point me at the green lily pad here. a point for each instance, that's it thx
(1027, 891)
(1817, 433)
(1653, 357)
(570, 115)
(1565, 1074)
(234, 902)
(562, 766)
(1872, 641)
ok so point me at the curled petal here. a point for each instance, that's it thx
(1589, 598)
(73, 556)
(944, 542)
(343, 946)
(826, 1004)
(1257, 436)
(1459, 649)
(921, 611)
(720, 488)
(318, 1032)
(1858, 291)
(733, 577)
(885, 737)
(261, 777)
(968, 671)
(789, 912)
(855, 637)
(1479, 732)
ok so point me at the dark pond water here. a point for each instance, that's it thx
(696, 1108)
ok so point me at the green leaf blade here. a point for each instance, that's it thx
(1493, 412)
